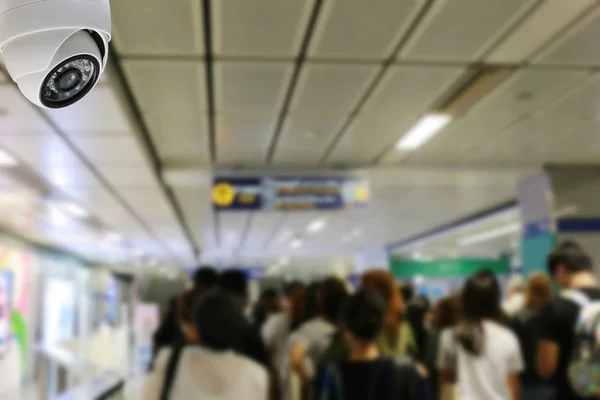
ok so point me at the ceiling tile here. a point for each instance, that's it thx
(259, 27)
(197, 210)
(549, 19)
(243, 139)
(159, 27)
(40, 151)
(577, 46)
(401, 97)
(262, 226)
(119, 176)
(17, 115)
(111, 150)
(251, 86)
(360, 29)
(522, 95)
(173, 121)
(331, 88)
(463, 30)
(99, 113)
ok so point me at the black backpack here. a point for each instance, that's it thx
(405, 385)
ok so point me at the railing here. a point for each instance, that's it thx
(62, 375)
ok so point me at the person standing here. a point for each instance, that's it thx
(366, 374)
(480, 352)
(526, 324)
(571, 268)
(210, 367)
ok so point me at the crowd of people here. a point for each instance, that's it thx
(323, 341)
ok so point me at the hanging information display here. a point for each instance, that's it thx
(288, 193)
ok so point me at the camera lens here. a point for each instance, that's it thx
(69, 81)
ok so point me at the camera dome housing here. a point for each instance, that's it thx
(55, 50)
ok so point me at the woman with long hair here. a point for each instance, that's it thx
(527, 323)
(481, 351)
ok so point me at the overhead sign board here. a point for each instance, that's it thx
(286, 193)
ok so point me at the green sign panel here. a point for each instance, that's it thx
(405, 268)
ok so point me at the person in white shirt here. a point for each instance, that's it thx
(480, 351)
(209, 369)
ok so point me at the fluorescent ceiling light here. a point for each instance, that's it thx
(316, 226)
(491, 234)
(296, 243)
(6, 160)
(423, 130)
(75, 210)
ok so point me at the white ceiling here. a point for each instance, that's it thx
(311, 86)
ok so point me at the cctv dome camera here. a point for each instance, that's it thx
(55, 50)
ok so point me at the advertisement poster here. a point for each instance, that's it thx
(59, 311)
(146, 321)
(5, 310)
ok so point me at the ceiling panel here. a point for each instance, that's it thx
(577, 46)
(149, 203)
(325, 96)
(538, 29)
(126, 176)
(157, 27)
(304, 137)
(197, 209)
(17, 116)
(98, 114)
(251, 86)
(259, 27)
(358, 29)
(400, 98)
(331, 88)
(177, 123)
(103, 150)
(262, 226)
(463, 30)
(520, 96)
(40, 150)
(243, 138)
(232, 228)
(293, 226)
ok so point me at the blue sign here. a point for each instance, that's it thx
(284, 193)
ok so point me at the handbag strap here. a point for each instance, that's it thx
(170, 372)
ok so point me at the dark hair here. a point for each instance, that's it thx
(363, 314)
(571, 256)
(205, 277)
(407, 291)
(480, 300)
(220, 321)
(289, 288)
(333, 293)
(311, 300)
(235, 282)
(446, 312)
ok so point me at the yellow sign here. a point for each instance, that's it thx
(223, 194)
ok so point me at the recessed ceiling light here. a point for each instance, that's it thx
(316, 226)
(422, 131)
(75, 210)
(6, 160)
(296, 243)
